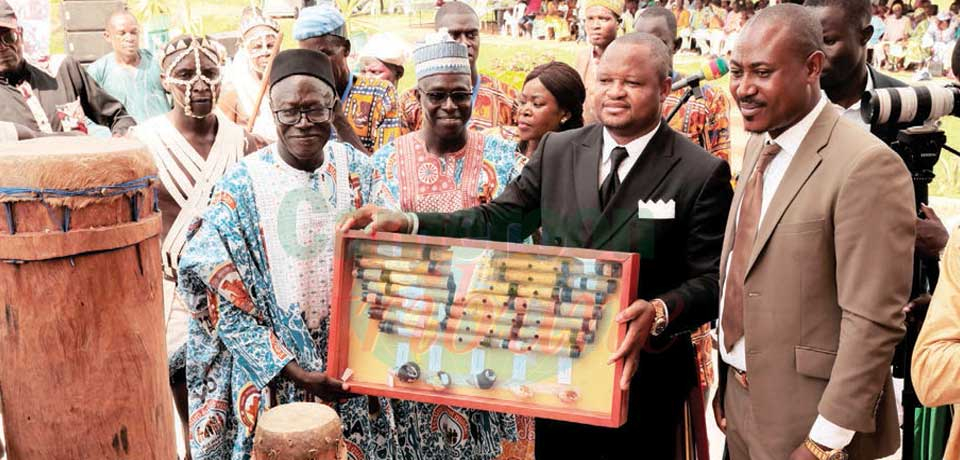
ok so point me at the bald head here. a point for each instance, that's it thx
(775, 68)
(795, 23)
(463, 25)
(659, 12)
(656, 53)
(453, 9)
(123, 33)
(118, 18)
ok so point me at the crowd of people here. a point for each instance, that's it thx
(462, 154)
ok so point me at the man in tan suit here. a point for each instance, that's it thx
(813, 277)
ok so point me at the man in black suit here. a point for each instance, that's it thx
(846, 74)
(568, 190)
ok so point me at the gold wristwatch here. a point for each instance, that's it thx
(659, 318)
(823, 454)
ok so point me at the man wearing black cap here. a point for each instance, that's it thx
(55, 101)
(256, 273)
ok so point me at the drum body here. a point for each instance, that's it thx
(83, 365)
(299, 431)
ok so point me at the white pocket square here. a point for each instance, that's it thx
(658, 210)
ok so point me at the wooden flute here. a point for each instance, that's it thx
(527, 304)
(406, 279)
(555, 279)
(557, 265)
(507, 331)
(561, 294)
(404, 251)
(517, 346)
(482, 312)
(430, 267)
(409, 292)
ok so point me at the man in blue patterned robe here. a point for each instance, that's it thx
(256, 275)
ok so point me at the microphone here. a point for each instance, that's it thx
(710, 70)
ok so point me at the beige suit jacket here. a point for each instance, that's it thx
(828, 276)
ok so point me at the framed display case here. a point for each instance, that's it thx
(503, 327)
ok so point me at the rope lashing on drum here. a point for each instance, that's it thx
(93, 192)
(11, 194)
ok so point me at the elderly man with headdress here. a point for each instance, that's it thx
(444, 167)
(192, 146)
(368, 105)
(602, 23)
(494, 102)
(51, 101)
(245, 75)
(256, 274)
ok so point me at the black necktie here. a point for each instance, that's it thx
(612, 182)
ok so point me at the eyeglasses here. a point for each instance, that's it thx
(291, 117)
(458, 97)
(9, 37)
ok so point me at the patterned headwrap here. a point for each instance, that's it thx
(440, 55)
(191, 46)
(613, 5)
(321, 19)
(256, 19)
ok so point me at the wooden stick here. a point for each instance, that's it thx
(264, 82)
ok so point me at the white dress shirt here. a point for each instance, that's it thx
(823, 431)
(852, 113)
(634, 149)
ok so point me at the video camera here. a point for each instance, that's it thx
(904, 118)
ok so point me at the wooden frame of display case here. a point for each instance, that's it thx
(586, 389)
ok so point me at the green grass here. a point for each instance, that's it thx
(506, 58)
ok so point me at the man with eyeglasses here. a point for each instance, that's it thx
(445, 167)
(52, 101)
(494, 102)
(629, 184)
(192, 146)
(368, 109)
(256, 274)
(129, 73)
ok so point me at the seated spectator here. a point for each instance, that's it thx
(130, 74)
(55, 100)
(941, 40)
(897, 28)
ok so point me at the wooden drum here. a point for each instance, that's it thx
(83, 365)
(298, 431)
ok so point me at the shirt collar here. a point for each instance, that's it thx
(790, 140)
(634, 147)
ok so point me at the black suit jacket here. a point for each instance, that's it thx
(559, 190)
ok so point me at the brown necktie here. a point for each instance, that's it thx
(743, 238)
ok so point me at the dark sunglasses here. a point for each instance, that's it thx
(9, 37)
(439, 97)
